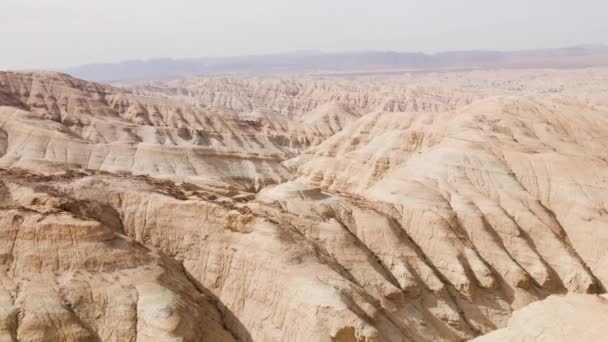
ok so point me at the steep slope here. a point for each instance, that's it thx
(365, 225)
(556, 319)
(53, 122)
(330, 118)
(68, 277)
(505, 199)
(519, 159)
(277, 285)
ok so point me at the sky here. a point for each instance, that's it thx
(63, 33)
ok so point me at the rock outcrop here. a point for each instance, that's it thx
(68, 273)
(54, 122)
(556, 319)
(302, 213)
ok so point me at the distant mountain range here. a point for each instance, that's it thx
(340, 63)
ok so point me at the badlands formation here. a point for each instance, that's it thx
(429, 207)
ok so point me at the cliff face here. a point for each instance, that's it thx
(495, 205)
(68, 273)
(55, 122)
(498, 170)
(145, 217)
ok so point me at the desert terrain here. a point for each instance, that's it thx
(426, 206)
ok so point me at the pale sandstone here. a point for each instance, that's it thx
(556, 319)
(418, 209)
(111, 129)
(66, 277)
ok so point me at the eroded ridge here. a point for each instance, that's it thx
(139, 215)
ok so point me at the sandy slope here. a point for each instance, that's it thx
(428, 208)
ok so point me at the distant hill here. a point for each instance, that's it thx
(344, 62)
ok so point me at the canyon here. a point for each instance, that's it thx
(435, 206)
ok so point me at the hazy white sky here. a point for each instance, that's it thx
(58, 33)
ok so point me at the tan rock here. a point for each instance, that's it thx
(557, 319)
(67, 277)
(113, 130)
(416, 208)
